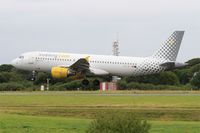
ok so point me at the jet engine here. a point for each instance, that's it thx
(61, 72)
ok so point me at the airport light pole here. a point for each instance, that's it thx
(48, 79)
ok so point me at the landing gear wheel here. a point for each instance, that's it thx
(96, 82)
(85, 82)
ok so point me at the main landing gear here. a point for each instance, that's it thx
(86, 82)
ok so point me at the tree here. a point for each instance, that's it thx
(119, 123)
(6, 68)
(12, 86)
(3, 79)
(168, 78)
(164, 78)
(154, 79)
(41, 78)
(195, 81)
(195, 68)
(193, 62)
(25, 75)
(183, 75)
(122, 85)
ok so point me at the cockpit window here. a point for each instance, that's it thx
(21, 57)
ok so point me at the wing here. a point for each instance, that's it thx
(82, 65)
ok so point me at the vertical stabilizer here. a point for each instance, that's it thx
(169, 50)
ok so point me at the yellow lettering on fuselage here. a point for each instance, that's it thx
(63, 56)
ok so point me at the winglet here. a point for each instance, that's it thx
(87, 58)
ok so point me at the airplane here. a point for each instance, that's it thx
(64, 65)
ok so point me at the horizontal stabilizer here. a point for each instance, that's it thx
(168, 64)
(173, 65)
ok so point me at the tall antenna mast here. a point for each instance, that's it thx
(116, 47)
(116, 53)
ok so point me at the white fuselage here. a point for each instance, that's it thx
(164, 58)
(113, 65)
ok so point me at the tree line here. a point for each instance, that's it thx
(186, 78)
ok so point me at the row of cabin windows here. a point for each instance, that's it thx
(109, 62)
(106, 62)
(39, 58)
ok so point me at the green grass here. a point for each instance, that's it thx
(64, 99)
(71, 112)
(36, 124)
(33, 124)
(175, 127)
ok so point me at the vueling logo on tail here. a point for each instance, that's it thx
(172, 41)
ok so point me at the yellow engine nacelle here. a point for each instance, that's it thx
(59, 72)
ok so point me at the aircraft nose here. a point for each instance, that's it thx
(14, 62)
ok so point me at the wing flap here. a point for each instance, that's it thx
(98, 71)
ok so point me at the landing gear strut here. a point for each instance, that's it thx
(33, 76)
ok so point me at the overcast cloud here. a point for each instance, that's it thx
(90, 26)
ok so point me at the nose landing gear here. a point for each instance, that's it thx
(33, 76)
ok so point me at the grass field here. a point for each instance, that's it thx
(39, 124)
(72, 112)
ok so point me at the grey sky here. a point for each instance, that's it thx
(90, 26)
